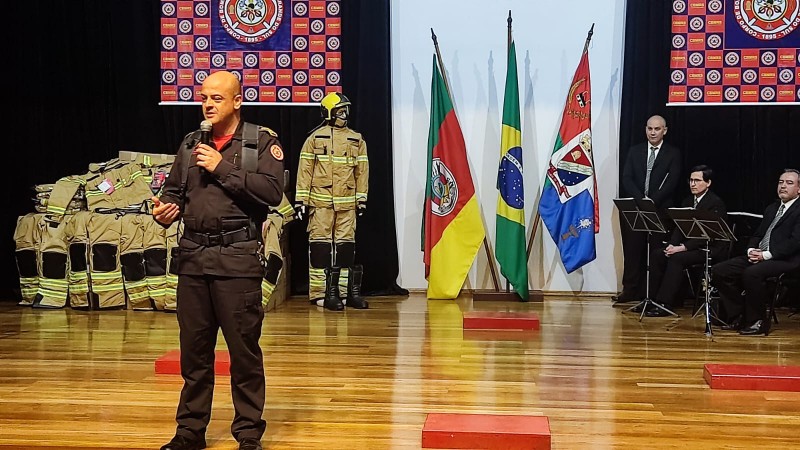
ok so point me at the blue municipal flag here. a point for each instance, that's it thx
(569, 206)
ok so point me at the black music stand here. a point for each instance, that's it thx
(709, 226)
(642, 215)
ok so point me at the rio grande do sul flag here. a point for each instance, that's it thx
(569, 205)
(452, 226)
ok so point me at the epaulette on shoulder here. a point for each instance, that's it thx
(268, 130)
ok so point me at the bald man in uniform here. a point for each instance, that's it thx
(219, 263)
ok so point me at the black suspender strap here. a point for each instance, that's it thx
(249, 150)
(186, 156)
(250, 147)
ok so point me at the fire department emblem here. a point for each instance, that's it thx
(571, 169)
(695, 94)
(276, 151)
(767, 19)
(786, 76)
(251, 94)
(251, 21)
(444, 189)
(731, 94)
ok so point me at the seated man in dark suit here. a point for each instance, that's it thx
(667, 264)
(773, 250)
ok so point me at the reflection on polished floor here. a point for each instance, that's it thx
(365, 379)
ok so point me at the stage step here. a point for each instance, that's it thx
(752, 377)
(170, 363)
(486, 431)
(500, 335)
(494, 320)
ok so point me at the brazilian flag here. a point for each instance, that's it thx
(510, 246)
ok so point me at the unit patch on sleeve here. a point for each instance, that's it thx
(277, 152)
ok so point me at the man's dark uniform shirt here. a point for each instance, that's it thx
(224, 200)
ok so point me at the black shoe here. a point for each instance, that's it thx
(183, 443)
(250, 444)
(332, 300)
(759, 327)
(354, 298)
(623, 297)
(734, 324)
(356, 302)
(655, 311)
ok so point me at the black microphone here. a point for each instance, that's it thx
(205, 132)
(205, 136)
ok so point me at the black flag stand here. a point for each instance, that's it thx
(642, 215)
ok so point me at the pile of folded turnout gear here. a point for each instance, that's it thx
(91, 242)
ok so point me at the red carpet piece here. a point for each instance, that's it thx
(492, 320)
(170, 363)
(500, 335)
(486, 431)
(752, 377)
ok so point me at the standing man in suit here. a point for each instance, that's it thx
(652, 170)
(667, 263)
(773, 250)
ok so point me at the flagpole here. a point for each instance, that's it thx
(591, 155)
(506, 295)
(591, 152)
(486, 246)
(508, 52)
(439, 60)
(588, 39)
(509, 20)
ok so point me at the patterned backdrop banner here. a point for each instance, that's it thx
(735, 52)
(285, 52)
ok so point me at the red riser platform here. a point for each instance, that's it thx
(170, 363)
(752, 377)
(491, 320)
(486, 431)
(500, 335)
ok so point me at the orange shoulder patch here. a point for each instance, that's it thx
(277, 152)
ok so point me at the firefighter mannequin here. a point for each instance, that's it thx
(332, 184)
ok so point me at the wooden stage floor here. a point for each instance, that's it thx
(366, 379)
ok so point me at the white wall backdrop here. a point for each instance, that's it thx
(472, 38)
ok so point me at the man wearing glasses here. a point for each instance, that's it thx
(668, 263)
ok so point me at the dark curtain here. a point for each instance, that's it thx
(82, 84)
(747, 146)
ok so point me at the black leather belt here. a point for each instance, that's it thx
(224, 238)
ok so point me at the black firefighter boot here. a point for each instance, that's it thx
(354, 298)
(332, 300)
